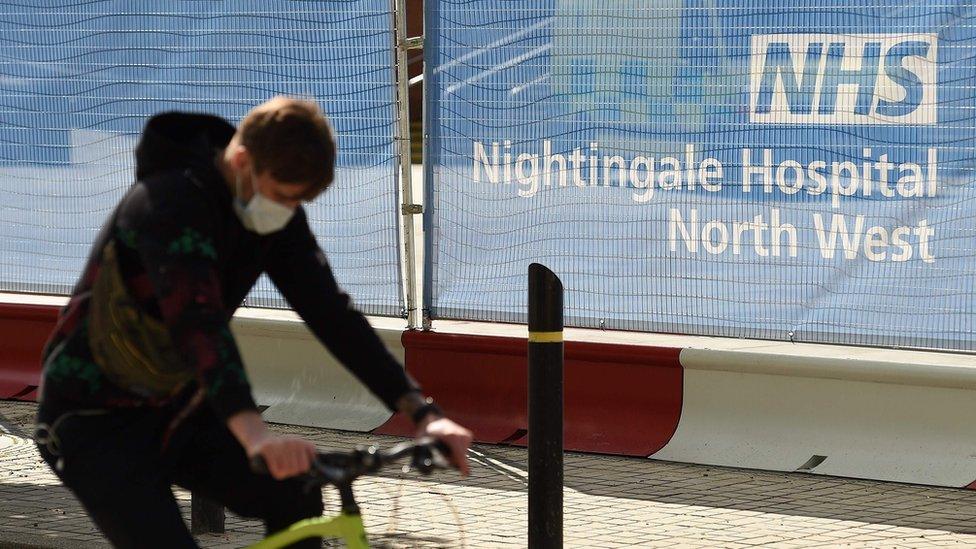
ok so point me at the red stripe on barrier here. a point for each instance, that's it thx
(972, 486)
(23, 331)
(619, 399)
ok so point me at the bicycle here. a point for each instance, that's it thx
(341, 469)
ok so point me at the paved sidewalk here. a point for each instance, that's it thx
(609, 502)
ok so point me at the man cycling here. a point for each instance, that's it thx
(143, 385)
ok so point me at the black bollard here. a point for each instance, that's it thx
(545, 408)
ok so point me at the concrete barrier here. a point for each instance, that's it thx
(293, 375)
(25, 328)
(881, 414)
(618, 399)
(864, 413)
(299, 380)
(856, 412)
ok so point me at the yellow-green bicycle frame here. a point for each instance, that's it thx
(347, 526)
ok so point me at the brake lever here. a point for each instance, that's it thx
(430, 456)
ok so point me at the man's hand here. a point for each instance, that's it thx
(433, 424)
(285, 456)
(457, 438)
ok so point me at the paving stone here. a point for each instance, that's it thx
(608, 502)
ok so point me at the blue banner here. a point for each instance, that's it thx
(79, 81)
(801, 172)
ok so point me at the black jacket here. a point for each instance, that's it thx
(184, 263)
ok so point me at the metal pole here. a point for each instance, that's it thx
(428, 195)
(408, 208)
(545, 408)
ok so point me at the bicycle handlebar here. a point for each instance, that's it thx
(345, 467)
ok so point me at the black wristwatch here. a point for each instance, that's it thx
(428, 407)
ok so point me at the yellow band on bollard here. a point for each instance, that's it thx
(545, 337)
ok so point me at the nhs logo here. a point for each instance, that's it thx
(843, 79)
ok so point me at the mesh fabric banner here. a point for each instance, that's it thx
(79, 80)
(800, 172)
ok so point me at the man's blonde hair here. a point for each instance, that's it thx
(292, 139)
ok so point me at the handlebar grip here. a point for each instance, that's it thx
(425, 459)
(258, 465)
(443, 448)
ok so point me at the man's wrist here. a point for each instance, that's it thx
(418, 408)
(426, 411)
(248, 428)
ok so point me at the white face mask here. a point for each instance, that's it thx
(261, 214)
